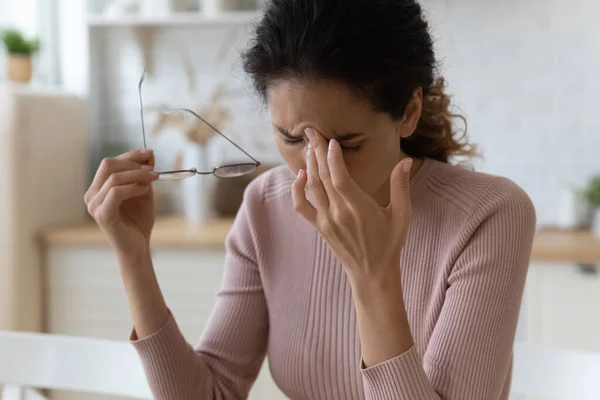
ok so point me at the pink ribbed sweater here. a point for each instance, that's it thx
(284, 295)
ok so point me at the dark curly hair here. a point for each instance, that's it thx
(380, 49)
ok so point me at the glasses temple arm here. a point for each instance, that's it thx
(213, 128)
(142, 106)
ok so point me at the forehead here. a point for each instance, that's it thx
(324, 104)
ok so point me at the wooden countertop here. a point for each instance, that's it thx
(550, 245)
(169, 231)
(556, 245)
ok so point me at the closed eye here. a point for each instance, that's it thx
(301, 142)
(295, 142)
(291, 140)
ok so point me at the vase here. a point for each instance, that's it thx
(595, 225)
(198, 190)
(573, 212)
(20, 68)
(586, 215)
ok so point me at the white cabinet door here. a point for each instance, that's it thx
(84, 293)
(562, 307)
(189, 281)
(85, 297)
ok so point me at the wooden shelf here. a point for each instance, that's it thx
(175, 19)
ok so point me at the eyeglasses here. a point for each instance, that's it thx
(224, 171)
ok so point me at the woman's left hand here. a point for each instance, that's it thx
(365, 237)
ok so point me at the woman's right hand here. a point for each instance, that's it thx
(121, 201)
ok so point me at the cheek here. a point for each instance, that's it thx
(294, 156)
(372, 167)
(365, 171)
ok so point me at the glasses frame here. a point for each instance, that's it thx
(193, 171)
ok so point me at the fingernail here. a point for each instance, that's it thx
(332, 144)
(299, 174)
(146, 151)
(310, 132)
(154, 173)
(148, 167)
(407, 165)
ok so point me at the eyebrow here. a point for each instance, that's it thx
(340, 138)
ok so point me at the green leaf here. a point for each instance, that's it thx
(592, 193)
(16, 43)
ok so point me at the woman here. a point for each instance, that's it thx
(354, 284)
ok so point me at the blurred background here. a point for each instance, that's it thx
(523, 72)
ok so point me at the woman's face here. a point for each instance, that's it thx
(370, 140)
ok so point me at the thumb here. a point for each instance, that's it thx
(399, 192)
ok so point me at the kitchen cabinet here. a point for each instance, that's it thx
(563, 306)
(85, 296)
(43, 162)
(562, 296)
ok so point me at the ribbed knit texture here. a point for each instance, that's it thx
(284, 294)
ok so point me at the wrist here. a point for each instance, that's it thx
(135, 261)
(382, 299)
(131, 250)
(367, 288)
(381, 315)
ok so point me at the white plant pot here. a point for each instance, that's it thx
(197, 191)
(587, 215)
(573, 211)
(595, 228)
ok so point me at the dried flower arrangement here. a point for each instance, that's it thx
(195, 130)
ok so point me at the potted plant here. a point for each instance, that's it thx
(20, 51)
(592, 195)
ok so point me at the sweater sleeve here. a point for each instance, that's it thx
(232, 348)
(469, 355)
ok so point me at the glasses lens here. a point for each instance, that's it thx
(233, 171)
(176, 175)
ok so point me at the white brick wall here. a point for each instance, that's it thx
(525, 73)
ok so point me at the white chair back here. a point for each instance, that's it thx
(557, 374)
(45, 361)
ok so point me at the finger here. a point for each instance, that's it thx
(142, 156)
(399, 182)
(301, 203)
(131, 160)
(107, 212)
(141, 177)
(314, 184)
(319, 145)
(340, 177)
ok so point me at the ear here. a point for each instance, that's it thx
(412, 114)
